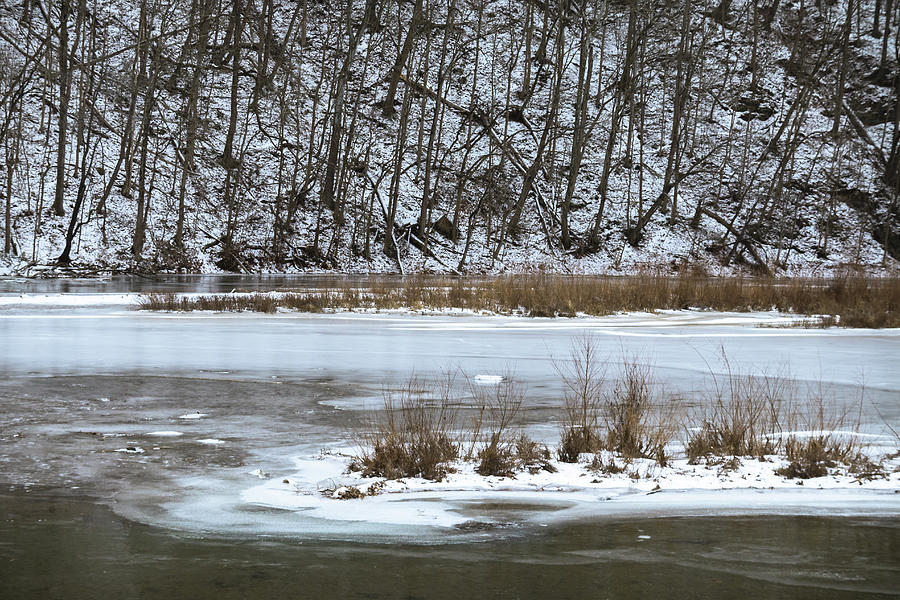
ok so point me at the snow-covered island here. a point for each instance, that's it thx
(320, 487)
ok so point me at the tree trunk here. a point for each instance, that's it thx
(65, 79)
(623, 90)
(402, 57)
(585, 66)
(532, 172)
(842, 74)
(337, 122)
(228, 160)
(192, 118)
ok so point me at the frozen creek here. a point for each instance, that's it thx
(228, 425)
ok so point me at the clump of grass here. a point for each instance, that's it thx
(583, 378)
(413, 436)
(637, 427)
(826, 442)
(170, 302)
(863, 467)
(601, 467)
(349, 493)
(810, 458)
(576, 442)
(532, 456)
(501, 405)
(741, 420)
(504, 452)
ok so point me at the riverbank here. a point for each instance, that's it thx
(849, 301)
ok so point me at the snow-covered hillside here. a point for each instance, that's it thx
(523, 135)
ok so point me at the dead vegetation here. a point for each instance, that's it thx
(760, 416)
(849, 300)
(741, 419)
(610, 425)
(414, 435)
(634, 423)
(500, 405)
(829, 439)
(583, 378)
(638, 425)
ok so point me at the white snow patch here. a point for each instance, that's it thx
(165, 433)
(196, 415)
(574, 491)
(47, 300)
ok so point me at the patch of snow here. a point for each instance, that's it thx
(574, 491)
(46, 300)
(196, 415)
(211, 442)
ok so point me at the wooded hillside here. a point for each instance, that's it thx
(451, 135)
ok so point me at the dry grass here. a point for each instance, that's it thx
(500, 405)
(637, 424)
(413, 436)
(740, 420)
(831, 438)
(532, 457)
(812, 457)
(583, 378)
(849, 300)
(767, 415)
(419, 432)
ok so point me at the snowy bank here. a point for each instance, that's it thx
(320, 488)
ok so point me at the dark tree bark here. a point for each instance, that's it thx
(65, 88)
(402, 57)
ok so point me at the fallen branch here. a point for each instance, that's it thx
(388, 225)
(514, 157)
(738, 237)
(861, 131)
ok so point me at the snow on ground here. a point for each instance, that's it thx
(66, 300)
(793, 241)
(318, 484)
